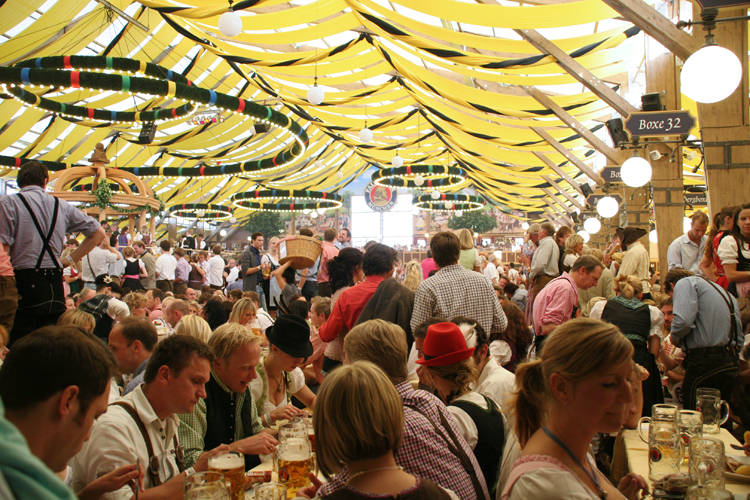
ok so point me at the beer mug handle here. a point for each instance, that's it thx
(640, 428)
(725, 405)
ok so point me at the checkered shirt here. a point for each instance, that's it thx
(455, 291)
(424, 453)
(193, 425)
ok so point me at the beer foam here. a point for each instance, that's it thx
(227, 462)
(295, 456)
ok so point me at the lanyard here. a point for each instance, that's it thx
(592, 475)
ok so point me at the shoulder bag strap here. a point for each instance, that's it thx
(521, 469)
(725, 295)
(153, 462)
(45, 239)
(454, 447)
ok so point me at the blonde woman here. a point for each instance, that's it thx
(72, 273)
(413, 275)
(193, 307)
(137, 302)
(272, 258)
(573, 250)
(245, 313)
(469, 257)
(193, 325)
(359, 423)
(564, 398)
(79, 318)
(642, 325)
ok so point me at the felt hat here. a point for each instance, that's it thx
(109, 281)
(632, 234)
(444, 345)
(291, 334)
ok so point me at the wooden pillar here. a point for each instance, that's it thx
(635, 200)
(131, 224)
(172, 224)
(293, 225)
(724, 125)
(662, 75)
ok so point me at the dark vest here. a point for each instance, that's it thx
(489, 448)
(220, 418)
(427, 490)
(635, 324)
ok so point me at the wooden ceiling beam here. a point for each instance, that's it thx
(559, 201)
(657, 26)
(559, 171)
(568, 155)
(577, 71)
(612, 154)
(563, 192)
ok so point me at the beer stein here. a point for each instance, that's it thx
(663, 412)
(271, 491)
(708, 401)
(232, 465)
(707, 462)
(699, 492)
(690, 425)
(665, 449)
(206, 486)
(294, 462)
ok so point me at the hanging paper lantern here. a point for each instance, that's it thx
(315, 95)
(419, 180)
(435, 195)
(365, 135)
(592, 225)
(230, 24)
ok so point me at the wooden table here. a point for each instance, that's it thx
(637, 457)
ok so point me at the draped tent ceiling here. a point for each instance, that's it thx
(437, 90)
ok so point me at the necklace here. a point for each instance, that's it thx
(592, 475)
(278, 382)
(362, 472)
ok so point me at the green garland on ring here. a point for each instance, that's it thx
(104, 194)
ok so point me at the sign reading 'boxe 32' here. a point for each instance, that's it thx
(659, 123)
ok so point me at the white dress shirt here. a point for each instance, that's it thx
(490, 272)
(96, 263)
(216, 271)
(166, 265)
(116, 441)
(464, 422)
(545, 259)
(233, 274)
(496, 383)
(683, 253)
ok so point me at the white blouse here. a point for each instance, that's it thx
(552, 484)
(727, 251)
(464, 423)
(257, 386)
(500, 350)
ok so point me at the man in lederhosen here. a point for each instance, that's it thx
(32, 229)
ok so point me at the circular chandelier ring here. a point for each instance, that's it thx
(463, 202)
(435, 177)
(279, 200)
(190, 211)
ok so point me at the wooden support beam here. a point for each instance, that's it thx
(577, 71)
(568, 155)
(562, 191)
(612, 154)
(560, 202)
(657, 26)
(559, 171)
(558, 217)
(558, 214)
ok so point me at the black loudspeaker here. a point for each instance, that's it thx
(260, 128)
(651, 102)
(148, 132)
(616, 131)
(587, 191)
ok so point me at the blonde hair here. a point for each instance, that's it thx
(77, 317)
(591, 305)
(4, 337)
(135, 300)
(382, 343)
(321, 305)
(567, 352)
(128, 252)
(572, 242)
(462, 375)
(194, 326)
(595, 252)
(628, 286)
(413, 276)
(466, 238)
(194, 303)
(228, 338)
(358, 415)
(239, 308)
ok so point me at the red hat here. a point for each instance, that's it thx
(444, 345)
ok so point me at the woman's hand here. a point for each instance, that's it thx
(113, 481)
(284, 413)
(310, 491)
(631, 485)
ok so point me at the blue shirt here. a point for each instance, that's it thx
(701, 315)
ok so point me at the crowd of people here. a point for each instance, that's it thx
(128, 362)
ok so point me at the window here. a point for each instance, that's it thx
(394, 227)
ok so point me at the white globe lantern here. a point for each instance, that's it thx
(525, 226)
(426, 235)
(340, 174)
(687, 224)
(435, 195)
(585, 235)
(318, 164)
(249, 238)
(315, 95)
(365, 135)
(200, 213)
(449, 205)
(313, 215)
(459, 213)
(230, 24)
(711, 74)
(607, 207)
(397, 161)
(419, 180)
(223, 232)
(592, 225)
(476, 235)
(652, 236)
(232, 220)
(306, 211)
(635, 171)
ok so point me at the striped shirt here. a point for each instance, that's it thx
(18, 231)
(555, 303)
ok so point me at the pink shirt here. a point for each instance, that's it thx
(329, 251)
(6, 269)
(555, 303)
(155, 314)
(427, 266)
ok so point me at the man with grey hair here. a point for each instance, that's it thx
(490, 269)
(556, 304)
(544, 263)
(228, 415)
